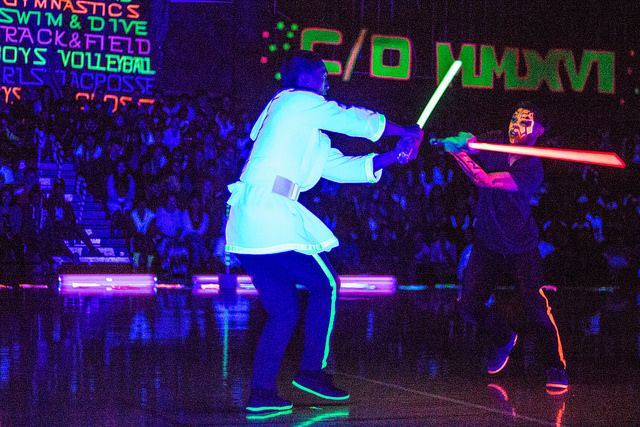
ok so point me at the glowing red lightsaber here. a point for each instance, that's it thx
(601, 158)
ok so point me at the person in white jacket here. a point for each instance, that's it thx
(277, 240)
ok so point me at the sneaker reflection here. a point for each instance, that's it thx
(322, 414)
(500, 396)
(306, 417)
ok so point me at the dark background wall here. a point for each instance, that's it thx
(217, 47)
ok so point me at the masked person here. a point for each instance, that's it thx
(277, 240)
(505, 248)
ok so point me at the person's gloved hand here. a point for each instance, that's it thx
(409, 144)
(458, 143)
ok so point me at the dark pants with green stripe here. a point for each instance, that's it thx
(275, 276)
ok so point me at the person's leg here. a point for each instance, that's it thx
(136, 244)
(316, 274)
(480, 277)
(277, 292)
(528, 275)
(483, 271)
(55, 238)
(77, 231)
(147, 249)
(320, 279)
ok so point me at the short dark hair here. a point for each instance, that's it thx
(296, 63)
(538, 115)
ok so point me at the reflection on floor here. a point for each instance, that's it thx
(175, 358)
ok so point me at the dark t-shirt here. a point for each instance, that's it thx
(504, 221)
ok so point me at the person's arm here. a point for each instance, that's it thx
(359, 169)
(405, 145)
(349, 120)
(112, 193)
(131, 192)
(497, 180)
(78, 152)
(394, 129)
(204, 225)
(381, 161)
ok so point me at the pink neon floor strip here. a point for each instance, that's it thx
(349, 285)
(114, 284)
(146, 284)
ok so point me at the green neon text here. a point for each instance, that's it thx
(106, 62)
(539, 69)
(31, 17)
(380, 44)
(311, 37)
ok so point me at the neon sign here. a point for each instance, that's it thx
(539, 69)
(380, 43)
(481, 64)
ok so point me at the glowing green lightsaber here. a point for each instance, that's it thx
(403, 157)
(446, 81)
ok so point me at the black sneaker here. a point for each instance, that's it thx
(498, 358)
(320, 384)
(557, 381)
(267, 401)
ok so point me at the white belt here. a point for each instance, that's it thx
(286, 188)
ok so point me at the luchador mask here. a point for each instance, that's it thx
(521, 126)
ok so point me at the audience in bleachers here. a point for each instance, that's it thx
(172, 161)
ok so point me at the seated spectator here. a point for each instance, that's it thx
(173, 254)
(142, 229)
(6, 171)
(121, 191)
(213, 199)
(144, 132)
(225, 124)
(88, 156)
(177, 181)
(87, 150)
(196, 227)
(22, 192)
(115, 152)
(11, 143)
(172, 136)
(153, 164)
(209, 148)
(33, 219)
(228, 166)
(11, 245)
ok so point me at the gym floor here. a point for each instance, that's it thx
(175, 359)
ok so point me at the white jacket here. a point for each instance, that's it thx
(289, 142)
